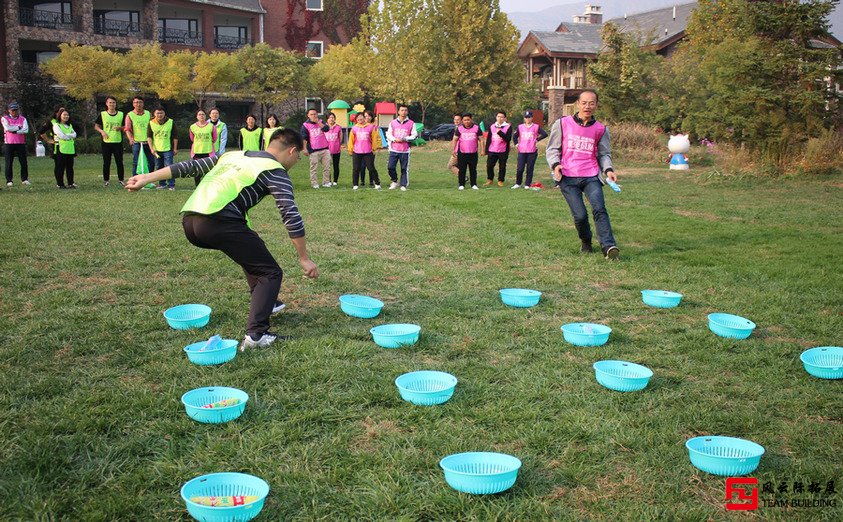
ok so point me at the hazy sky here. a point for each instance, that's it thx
(533, 5)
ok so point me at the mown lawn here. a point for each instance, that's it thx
(92, 427)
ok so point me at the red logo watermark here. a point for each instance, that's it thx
(736, 485)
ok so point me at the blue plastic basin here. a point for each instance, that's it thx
(224, 485)
(724, 456)
(661, 298)
(730, 326)
(480, 473)
(195, 399)
(361, 306)
(187, 316)
(586, 334)
(622, 376)
(825, 362)
(520, 297)
(426, 387)
(395, 335)
(225, 351)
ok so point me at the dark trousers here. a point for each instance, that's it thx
(369, 161)
(467, 160)
(335, 158)
(109, 150)
(245, 247)
(10, 150)
(491, 159)
(197, 179)
(528, 160)
(573, 190)
(394, 159)
(63, 164)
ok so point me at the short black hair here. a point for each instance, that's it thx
(311, 109)
(138, 98)
(596, 97)
(160, 108)
(402, 105)
(459, 114)
(330, 114)
(213, 109)
(500, 112)
(467, 115)
(288, 138)
(110, 98)
(272, 115)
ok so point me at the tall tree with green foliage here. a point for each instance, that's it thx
(271, 75)
(215, 73)
(86, 71)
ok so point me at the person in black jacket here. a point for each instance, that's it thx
(497, 148)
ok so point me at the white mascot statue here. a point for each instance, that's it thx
(679, 145)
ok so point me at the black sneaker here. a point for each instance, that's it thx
(586, 247)
(612, 253)
(279, 305)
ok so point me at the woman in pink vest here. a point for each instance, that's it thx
(580, 155)
(360, 140)
(497, 148)
(526, 138)
(466, 143)
(334, 137)
(15, 128)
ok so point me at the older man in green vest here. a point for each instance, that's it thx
(217, 217)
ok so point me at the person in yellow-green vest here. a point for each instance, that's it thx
(222, 131)
(163, 143)
(250, 135)
(110, 126)
(269, 129)
(216, 216)
(65, 149)
(137, 127)
(202, 138)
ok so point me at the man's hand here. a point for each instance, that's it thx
(131, 141)
(135, 183)
(557, 173)
(309, 267)
(612, 176)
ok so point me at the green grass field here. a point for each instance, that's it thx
(92, 427)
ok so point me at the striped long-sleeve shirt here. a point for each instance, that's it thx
(275, 182)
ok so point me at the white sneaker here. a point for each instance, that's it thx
(474, 187)
(278, 306)
(315, 185)
(354, 187)
(377, 187)
(526, 187)
(516, 186)
(403, 189)
(328, 184)
(393, 186)
(333, 183)
(461, 188)
(265, 340)
(26, 182)
(104, 183)
(9, 184)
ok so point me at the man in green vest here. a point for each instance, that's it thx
(216, 216)
(222, 131)
(163, 143)
(110, 126)
(137, 128)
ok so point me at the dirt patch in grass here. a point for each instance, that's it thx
(373, 431)
(707, 216)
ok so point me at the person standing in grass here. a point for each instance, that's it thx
(452, 161)
(360, 140)
(316, 145)
(222, 131)
(110, 126)
(66, 149)
(466, 142)
(526, 138)
(216, 216)
(272, 125)
(497, 148)
(580, 155)
(15, 128)
(250, 135)
(334, 137)
(137, 129)
(202, 137)
(163, 143)
(399, 134)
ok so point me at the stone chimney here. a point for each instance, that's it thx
(593, 15)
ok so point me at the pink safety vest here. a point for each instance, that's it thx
(579, 148)
(467, 143)
(497, 144)
(13, 138)
(317, 137)
(363, 138)
(527, 138)
(334, 137)
(401, 130)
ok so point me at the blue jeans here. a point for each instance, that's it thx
(165, 159)
(150, 159)
(394, 158)
(573, 190)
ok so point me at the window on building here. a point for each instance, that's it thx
(188, 25)
(314, 5)
(314, 103)
(314, 50)
(116, 23)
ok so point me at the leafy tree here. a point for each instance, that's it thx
(271, 75)
(86, 71)
(174, 80)
(143, 65)
(214, 72)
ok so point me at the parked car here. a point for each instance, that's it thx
(444, 131)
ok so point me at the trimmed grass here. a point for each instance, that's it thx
(93, 428)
